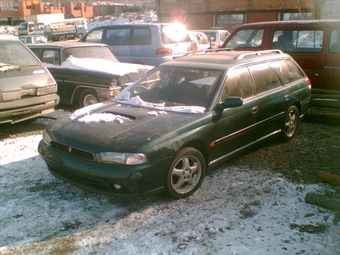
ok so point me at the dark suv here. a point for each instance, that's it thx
(185, 116)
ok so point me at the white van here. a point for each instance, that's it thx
(216, 37)
(27, 89)
(147, 43)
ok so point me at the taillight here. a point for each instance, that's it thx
(163, 51)
(309, 83)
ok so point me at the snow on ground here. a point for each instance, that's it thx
(236, 211)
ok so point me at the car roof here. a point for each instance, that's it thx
(8, 37)
(292, 23)
(134, 25)
(225, 59)
(68, 44)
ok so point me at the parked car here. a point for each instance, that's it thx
(86, 73)
(215, 36)
(184, 117)
(147, 43)
(312, 43)
(199, 40)
(27, 89)
(33, 39)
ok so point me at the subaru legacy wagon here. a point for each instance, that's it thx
(162, 133)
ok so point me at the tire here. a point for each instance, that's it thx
(291, 123)
(87, 97)
(78, 36)
(61, 38)
(186, 173)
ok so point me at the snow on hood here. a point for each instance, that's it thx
(102, 65)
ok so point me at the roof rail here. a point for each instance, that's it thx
(257, 53)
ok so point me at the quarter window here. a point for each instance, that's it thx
(287, 70)
(334, 46)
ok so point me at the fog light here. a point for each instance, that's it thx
(117, 186)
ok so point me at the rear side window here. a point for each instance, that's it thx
(287, 70)
(118, 36)
(141, 36)
(264, 78)
(94, 36)
(298, 40)
(250, 38)
(238, 84)
(334, 45)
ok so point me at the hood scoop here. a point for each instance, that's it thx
(89, 115)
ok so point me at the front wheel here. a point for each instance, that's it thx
(186, 173)
(87, 97)
(291, 123)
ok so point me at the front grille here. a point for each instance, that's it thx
(73, 151)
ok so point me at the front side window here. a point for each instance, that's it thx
(334, 45)
(50, 57)
(249, 38)
(264, 78)
(94, 36)
(173, 88)
(298, 40)
(238, 84)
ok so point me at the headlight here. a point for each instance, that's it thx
(46, 137)
(46, 90)
(121, 158)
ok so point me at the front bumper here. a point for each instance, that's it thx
(135, 181)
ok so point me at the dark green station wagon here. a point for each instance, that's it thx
(165, 131)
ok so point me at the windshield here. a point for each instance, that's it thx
(89, 52)
(12, 52)
(173, 89)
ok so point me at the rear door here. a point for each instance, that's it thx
(119, 40)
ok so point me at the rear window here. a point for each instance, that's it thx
(14, 53)
(298, 40)
(173, 34)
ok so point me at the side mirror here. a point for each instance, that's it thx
(230, 102)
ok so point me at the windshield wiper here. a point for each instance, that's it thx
(6, 68)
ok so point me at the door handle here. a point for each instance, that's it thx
(254, 110)
(287, 98)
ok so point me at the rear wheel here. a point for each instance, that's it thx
(79, 36)
(87, 97)
(61, 38)
(186, 173)
(291, 123)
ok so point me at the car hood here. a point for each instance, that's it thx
(119, 127)
(102, 65)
